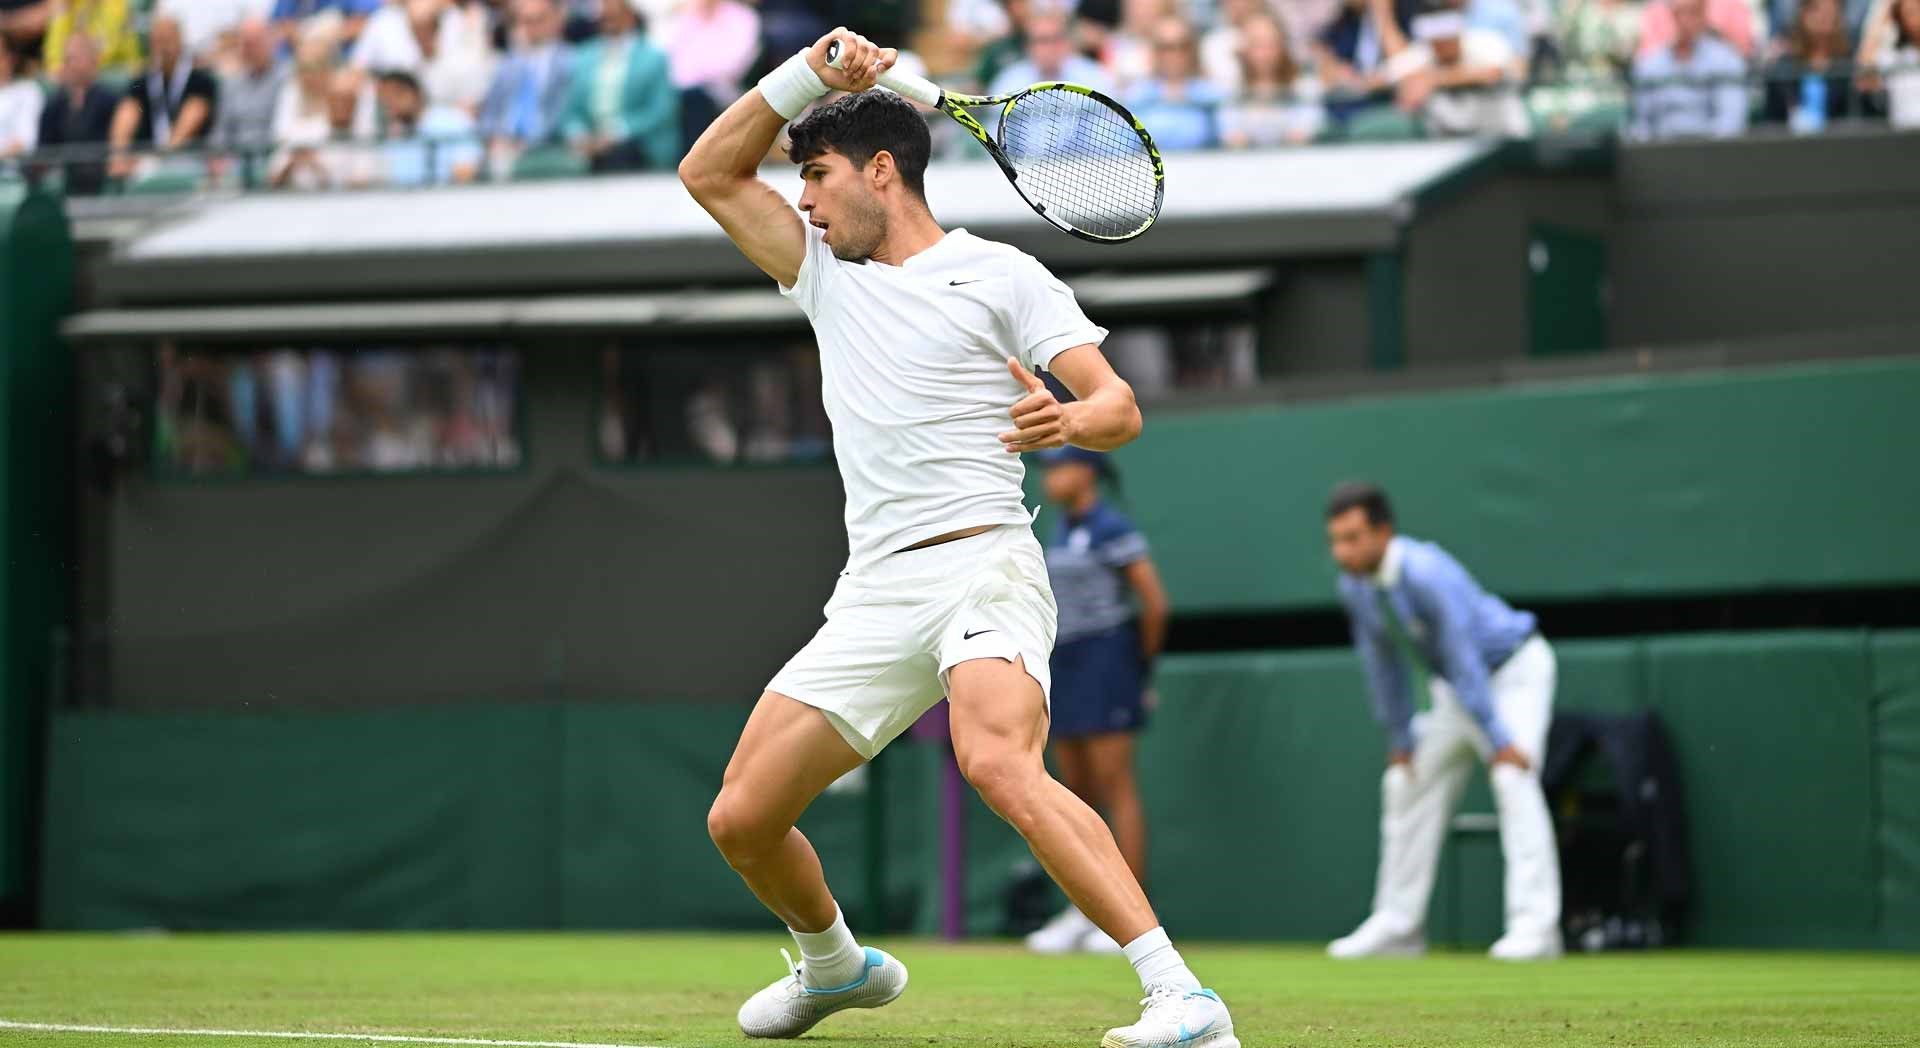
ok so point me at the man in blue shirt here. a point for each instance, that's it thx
(1417, 614)
(1695, 88)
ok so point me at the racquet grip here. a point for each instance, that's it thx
(899, 81)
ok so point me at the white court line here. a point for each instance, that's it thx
(298, 1035)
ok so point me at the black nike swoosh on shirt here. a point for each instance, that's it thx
(975, 633)
(958, 283)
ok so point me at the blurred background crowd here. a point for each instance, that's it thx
(101, 95)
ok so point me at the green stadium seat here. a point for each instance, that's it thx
(548, 162)
(1383, 124)
(162, 183)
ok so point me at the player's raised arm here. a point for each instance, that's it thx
(722, 169)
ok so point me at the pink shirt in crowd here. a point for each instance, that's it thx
(1731, 19)
(711, 43)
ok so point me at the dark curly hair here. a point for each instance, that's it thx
(859, 125)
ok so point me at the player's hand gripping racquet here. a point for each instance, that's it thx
(1079, 159)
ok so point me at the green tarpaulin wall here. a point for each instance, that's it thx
(1719, 482)
(1800, 752)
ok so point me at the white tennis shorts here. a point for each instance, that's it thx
(895, 628)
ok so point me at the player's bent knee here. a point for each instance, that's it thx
(1004, 779)
(738, 831)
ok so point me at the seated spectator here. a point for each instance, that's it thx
(1004, 50)
(21, 101)
(251, 95)
(1890, 56)
(435, 41)
(79, 113)
(23, 24)
(333, 152)
(1783, 14)
(1817, 51)
(109, 22)
(622, 111)
(1352, 50)
(710, 45)
(787, 26)
(1050, 56)
(1695, 86)
(1176, 103)
(424, 143)
(529, 91)
(170, 106)
(1275, 105)
(1220, 46)
(289, 15)
(1460, 80)
(1731, 20)
(1127, 52)
(1597, 38)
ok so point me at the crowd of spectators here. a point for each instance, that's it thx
(321, 94)
(325, 411)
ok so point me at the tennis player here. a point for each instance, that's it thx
(929, 341)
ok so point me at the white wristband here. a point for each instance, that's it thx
(792, 86)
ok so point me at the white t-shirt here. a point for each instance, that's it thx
(913, 367)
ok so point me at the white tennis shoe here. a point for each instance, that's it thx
(790, 1007)
(1176, 1017)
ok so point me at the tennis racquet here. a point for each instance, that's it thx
(1077, 157)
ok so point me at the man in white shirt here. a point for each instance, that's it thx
(1463, 81)
(925, 337)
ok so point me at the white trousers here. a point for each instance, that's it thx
(1416, 804)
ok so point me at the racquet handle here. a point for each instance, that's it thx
(899, 81)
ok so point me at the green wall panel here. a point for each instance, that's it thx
(1774, 736)
(400, 819)
(1800, 754)
(1896, 707)
(1584, 489)
(1267, 766)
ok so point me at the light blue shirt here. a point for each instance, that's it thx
(1078, 69)
(412, 162)
(1458, 631)
(1667, 105)
(1175, 125)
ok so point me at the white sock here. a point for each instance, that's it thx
(830, 958)
(1158, 964)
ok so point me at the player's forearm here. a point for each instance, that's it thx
(1105, 419)
(731, 148)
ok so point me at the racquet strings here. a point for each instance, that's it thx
(1082, 162)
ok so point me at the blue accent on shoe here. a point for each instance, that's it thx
(1185, 1036)
(874, 960)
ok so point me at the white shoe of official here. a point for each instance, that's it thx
(1064, 933)
(1521, 946)
(1377, 938)
(789, 1007)
(1193, 1018)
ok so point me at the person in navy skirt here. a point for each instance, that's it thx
(1113, 621)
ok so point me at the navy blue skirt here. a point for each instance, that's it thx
(1098, 684)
